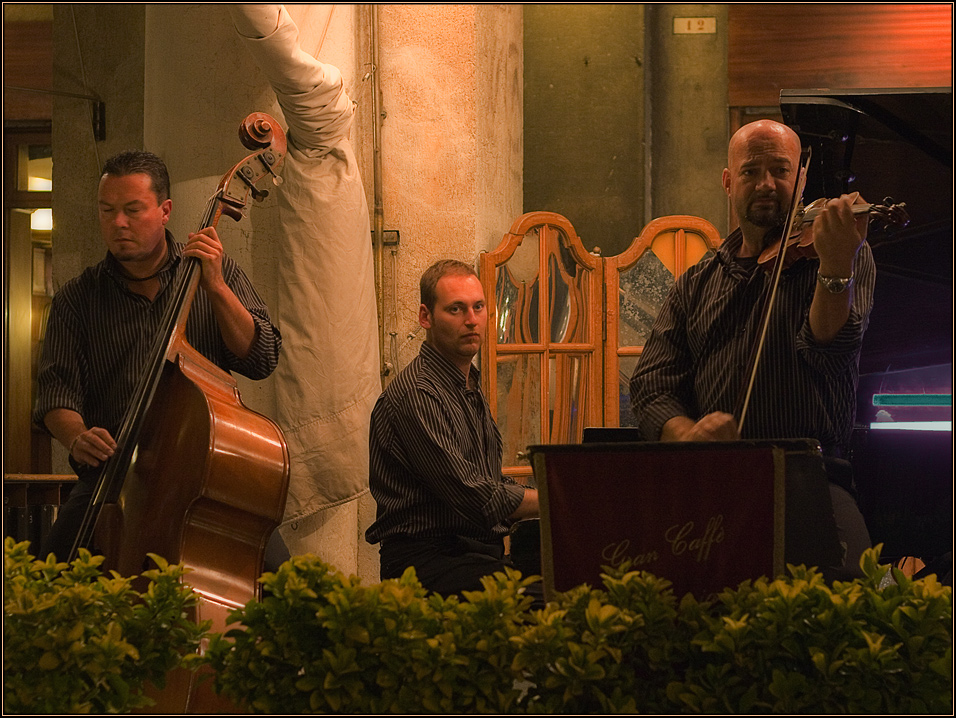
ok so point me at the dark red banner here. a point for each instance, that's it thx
(705, 517)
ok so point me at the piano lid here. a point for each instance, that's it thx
(891, 143)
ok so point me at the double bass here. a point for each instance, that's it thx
(197, 477)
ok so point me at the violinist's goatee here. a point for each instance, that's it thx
(765, 212)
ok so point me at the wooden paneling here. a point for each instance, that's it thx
(801, 46)
(28, 62)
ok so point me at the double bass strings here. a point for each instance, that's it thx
(110, 479)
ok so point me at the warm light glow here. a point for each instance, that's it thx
(41, 220)
(913, 425)
(39, 184)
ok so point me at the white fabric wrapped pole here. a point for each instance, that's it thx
(328, 377)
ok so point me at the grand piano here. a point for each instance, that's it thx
(897, 143)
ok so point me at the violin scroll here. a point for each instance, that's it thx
(891, 213)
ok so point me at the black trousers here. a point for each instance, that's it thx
(449, 565)
(851, 529)
(69, 518)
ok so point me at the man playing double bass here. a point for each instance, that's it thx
(103, 322)
(690, 378)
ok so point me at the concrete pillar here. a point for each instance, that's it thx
(584, 118)
(97, 51)
(452, 141)
(688, 116)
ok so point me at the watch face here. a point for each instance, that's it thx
(836, 284)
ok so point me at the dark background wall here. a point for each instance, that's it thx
(626, 120)
(584, 124)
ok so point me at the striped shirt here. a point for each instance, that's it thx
(100, 334)
(698, 357)
(435, 457)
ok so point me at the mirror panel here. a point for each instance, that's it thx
(567, 291)
(641, 295)
(519, 404)
(516, 294)
(567, 397)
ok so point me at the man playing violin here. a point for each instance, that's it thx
(695, 366)
(102, 324)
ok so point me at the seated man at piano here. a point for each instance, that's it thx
(443, 505)
(102, 324)
(692, 378)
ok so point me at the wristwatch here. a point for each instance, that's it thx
(835, 285)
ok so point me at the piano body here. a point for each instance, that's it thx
(897, 143)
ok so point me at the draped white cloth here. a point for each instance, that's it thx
(328, 376)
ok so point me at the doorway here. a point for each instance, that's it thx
(28, 290)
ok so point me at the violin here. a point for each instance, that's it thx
(800, 243)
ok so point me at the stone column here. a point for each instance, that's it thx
(689, 123)
(452, 141)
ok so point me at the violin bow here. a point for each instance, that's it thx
(778, 271)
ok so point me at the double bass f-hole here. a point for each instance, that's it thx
(262, 134)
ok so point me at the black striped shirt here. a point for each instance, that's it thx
(435, 457)
(697, 358)
(99, 336)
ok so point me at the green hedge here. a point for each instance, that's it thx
(78, 641)
(322, 642)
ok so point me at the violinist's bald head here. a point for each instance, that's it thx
(765, 132)
(762, 163)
